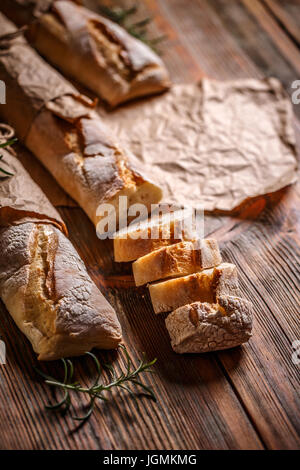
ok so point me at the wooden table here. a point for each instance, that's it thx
(245, 398)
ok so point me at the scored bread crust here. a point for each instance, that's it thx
(202, 327)
(93, 50)
(48, 292)
(60, 126)
(205, 286)
(88, 164)
(43, 281)
(175, 260)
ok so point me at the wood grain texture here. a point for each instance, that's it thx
(278, 36)
(246, 398)
(287, 14)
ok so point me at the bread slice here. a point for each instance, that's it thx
(206, 286)
(175, 260)
(202, 327)
(139, 240)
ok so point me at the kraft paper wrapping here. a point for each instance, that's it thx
(56, 195)
(21, 199)
(30, 91)
(215, 143)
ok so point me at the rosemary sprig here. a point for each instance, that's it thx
(117, 14)
(138, 30)
(6, 173)
(97, 389)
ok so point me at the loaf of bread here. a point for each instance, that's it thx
(205, 286)
(203, 327)
(43, 282)
(91, 49)
(60, 126)
(175, 260)
(138, 240)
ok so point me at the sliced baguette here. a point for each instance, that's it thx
(202, 327)
(206, 286)
(139, 240)
(175, 260)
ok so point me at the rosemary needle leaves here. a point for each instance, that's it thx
(97, 389)
(138, 30)
(5, 173)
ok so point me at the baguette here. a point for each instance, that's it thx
(60, 127)
(139, 240)
(43, 282)
(176, 260)
(91, 49)
(205, 286)
(202, 327)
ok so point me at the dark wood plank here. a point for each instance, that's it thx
(191, 389)
(287, 14)
(266, 378)
(278, 36)
(180, 63)
(220, 41)
(197, 407)
(199, 28)
(266, 237)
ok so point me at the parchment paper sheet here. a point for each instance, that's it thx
(215, 143)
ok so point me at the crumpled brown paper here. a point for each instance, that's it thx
(23, 87)
(21, 199)
(216, 143)
(56, 195)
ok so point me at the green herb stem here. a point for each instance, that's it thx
(137, 29)
(2, 145)
(96, 390)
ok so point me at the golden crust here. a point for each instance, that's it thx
(175, 260)
(137, 241)
(202, 327)
(43, 281)
(47, 290)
